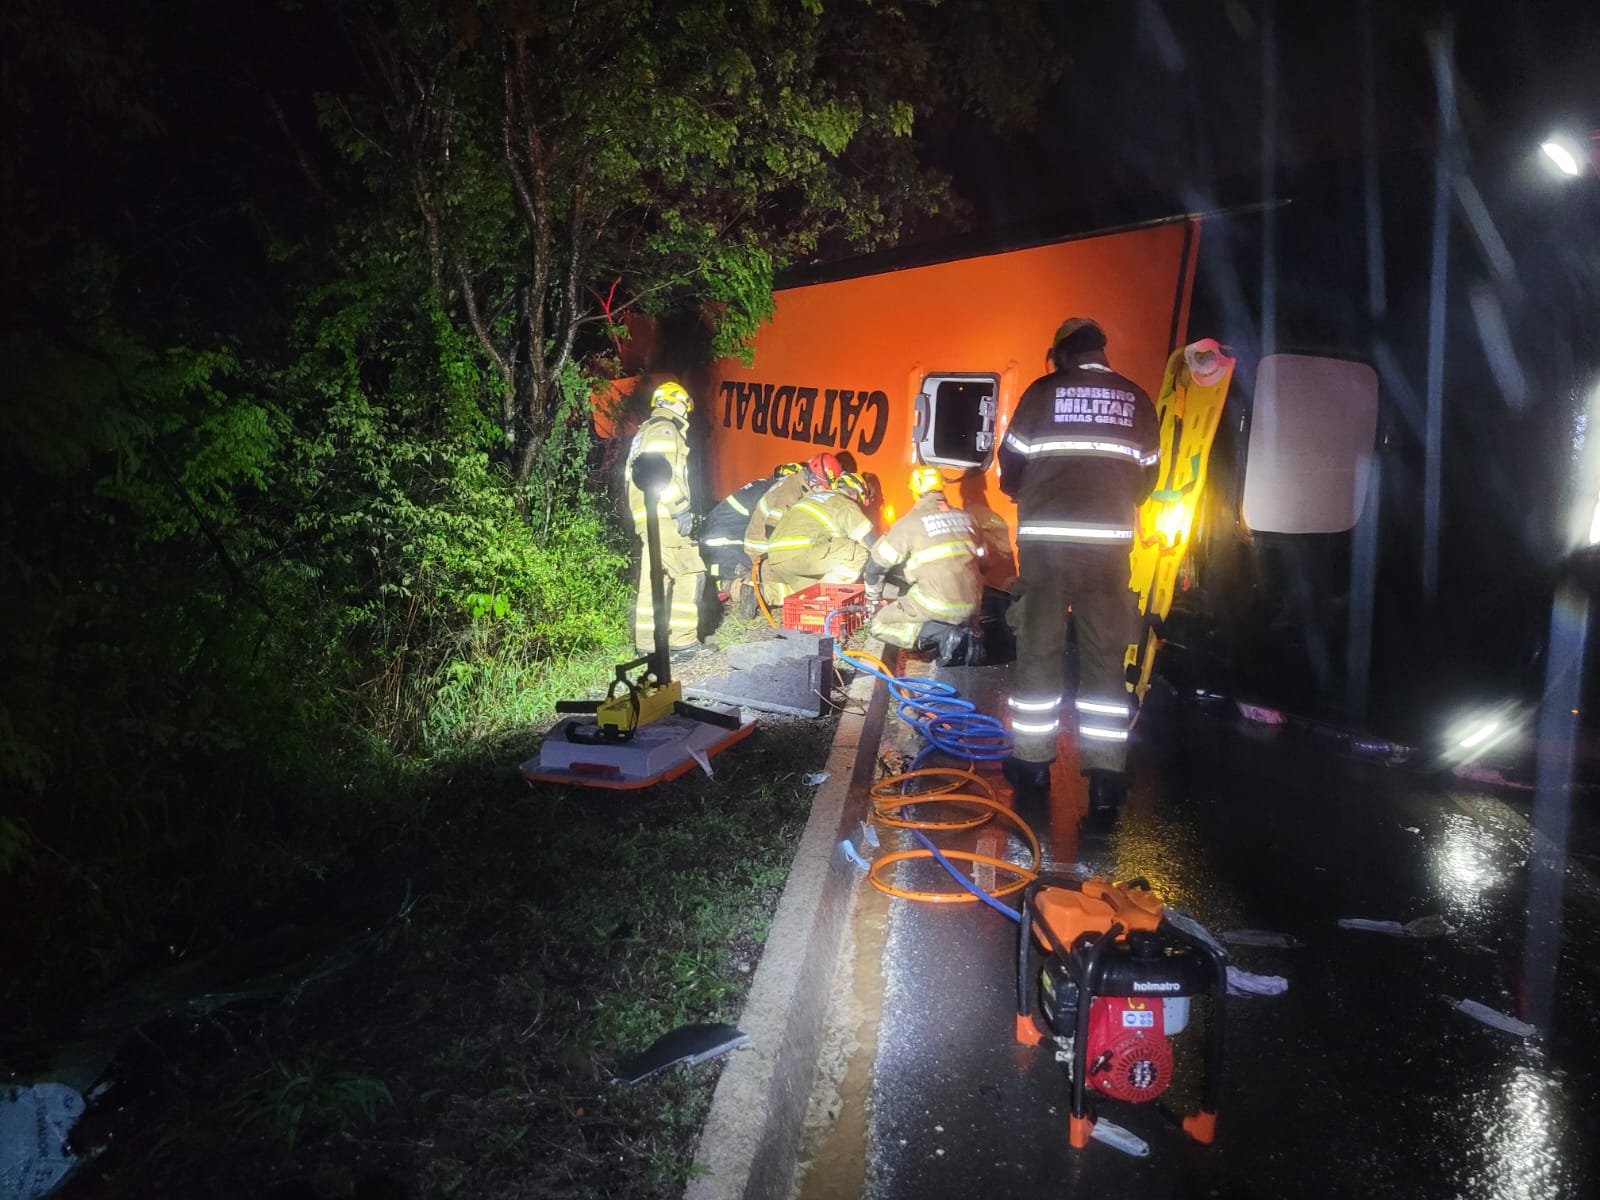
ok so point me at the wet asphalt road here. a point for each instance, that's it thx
(1361, 1080)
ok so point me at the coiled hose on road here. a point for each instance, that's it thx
(953, 726)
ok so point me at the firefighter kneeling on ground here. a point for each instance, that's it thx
(726, 527)
(936, 550)
(664, 432)
(825, 538)
(818, 473)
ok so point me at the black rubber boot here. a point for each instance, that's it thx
(1029, 779)
(953, 648)
(749, 607)
(1107, 791)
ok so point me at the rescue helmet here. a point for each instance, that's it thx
(1076, 335)
(925, 480)
(853, 484)
(784, 469)
(673, 396)
(825, 469)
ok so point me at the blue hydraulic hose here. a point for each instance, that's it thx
(961, 878)
(934, 708)
(953, 726)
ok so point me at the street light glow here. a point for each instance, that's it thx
(1559, 153)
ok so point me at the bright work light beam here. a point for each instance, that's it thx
(1565, 160)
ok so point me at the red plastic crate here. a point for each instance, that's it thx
(807, 610)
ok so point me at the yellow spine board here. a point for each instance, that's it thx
(1192, 411)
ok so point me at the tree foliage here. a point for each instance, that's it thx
(565, 163)
(297, 484)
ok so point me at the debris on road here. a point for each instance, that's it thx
(1421, 927)
(1246, 983)
(1494, 1018)
(1259, 714)
(34, 1124)
(1119, 1138)
(1263, 938)
(688, 1044)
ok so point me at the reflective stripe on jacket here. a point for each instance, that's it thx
(937, 549)
(661, 434)
(778, 499)
(823, 516)
(725, 524)
(1079, 455)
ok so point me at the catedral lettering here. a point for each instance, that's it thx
(820, 417)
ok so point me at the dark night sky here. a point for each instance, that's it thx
(1156, 100)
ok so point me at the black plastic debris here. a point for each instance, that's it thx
(688, 1044)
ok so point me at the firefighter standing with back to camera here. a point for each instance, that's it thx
(1079, 456)
(665, 432)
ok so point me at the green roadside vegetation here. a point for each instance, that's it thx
(547, 932)
(304, 525)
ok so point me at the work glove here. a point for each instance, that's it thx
(685, 521)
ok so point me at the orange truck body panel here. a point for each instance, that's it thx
(839, 366)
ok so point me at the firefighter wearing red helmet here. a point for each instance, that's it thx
(935, 549)
(824, 538)
(1079, 456)
(665, 432)
(819, 472)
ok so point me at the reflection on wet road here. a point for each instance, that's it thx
(1362, 1080)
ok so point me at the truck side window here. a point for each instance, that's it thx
(955, 419)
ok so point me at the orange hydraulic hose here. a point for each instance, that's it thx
(962, 788)
(755, 582)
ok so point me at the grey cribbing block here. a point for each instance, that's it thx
(784, 643)
(794, 686)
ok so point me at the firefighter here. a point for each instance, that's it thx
(1079, 456)
(818, 473)
(936, 549)
(664, 432)
(824, 538)
(722, 533)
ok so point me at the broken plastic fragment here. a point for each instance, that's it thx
(1260, 715)
(1421, 927)
(1495, 1018)
(851, 854)
(1261, 937)
(688, 1044)
(1246, 983)
(817, 777)
(1119, 1138)
(869, 835)
(1183, 921)
(34, 1124)
(1478, 773)
(1392, 928)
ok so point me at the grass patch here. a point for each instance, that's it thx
(553, 932)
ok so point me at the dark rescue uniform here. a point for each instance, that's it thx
(722, 533)
(1079, 456)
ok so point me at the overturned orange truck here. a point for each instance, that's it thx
(924, 365)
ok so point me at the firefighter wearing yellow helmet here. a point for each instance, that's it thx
(935, 548)
(665, 432)
(824, 538)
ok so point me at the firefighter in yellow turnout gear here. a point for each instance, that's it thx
(825, 538)
(936, 549)
(665, 432)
